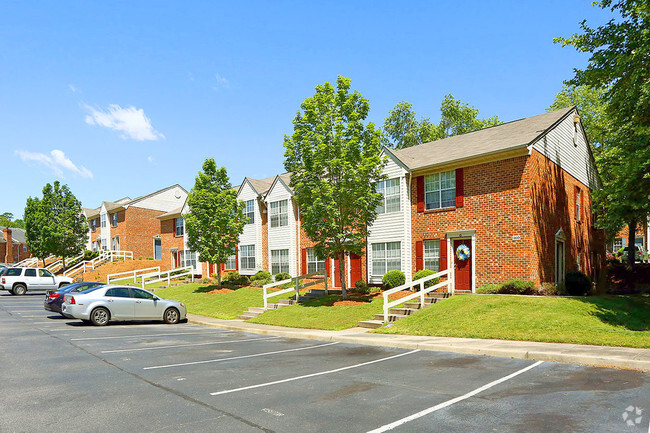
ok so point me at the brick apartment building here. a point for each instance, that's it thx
(515, 198)
(642, 234)
(134, 225)
(13, 245)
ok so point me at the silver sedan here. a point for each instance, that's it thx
(108, 303)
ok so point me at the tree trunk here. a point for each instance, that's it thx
(219, 275)
(43, 261)
(631, 253)
(341, 259)
(63, 259)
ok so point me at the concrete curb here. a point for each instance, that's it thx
(600, 356)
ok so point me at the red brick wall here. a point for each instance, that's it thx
(138, 230)
(169, 241)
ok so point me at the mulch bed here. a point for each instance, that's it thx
(219, 291)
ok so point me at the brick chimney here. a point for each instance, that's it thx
(9, 248)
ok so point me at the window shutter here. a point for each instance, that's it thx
(237, 258)
(304, 261)
(419, 256)
(327, 266)
(419, 184)
(174, 227)
(459, 187)
(443, 254)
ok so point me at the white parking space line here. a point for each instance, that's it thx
(448, 403)
(238, 357)
(143, 336)
(306, 376)
(188, 344)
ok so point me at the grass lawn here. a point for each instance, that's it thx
(606, 321)
(317, 314)
(221, 306)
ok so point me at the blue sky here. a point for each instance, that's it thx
(122, 98)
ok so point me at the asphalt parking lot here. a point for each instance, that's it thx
(60, 375)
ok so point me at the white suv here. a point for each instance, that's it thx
(20, 280)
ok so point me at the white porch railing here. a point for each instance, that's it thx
(133, 275)
(104, 256)
(27, 263)
(295, 288)
(187, 271)
(55, 266)
(449, 282)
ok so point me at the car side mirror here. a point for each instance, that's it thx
(156, 298)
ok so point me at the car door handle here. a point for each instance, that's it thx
(110, 300)
(138, 302)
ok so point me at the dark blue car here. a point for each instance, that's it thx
(54, 299)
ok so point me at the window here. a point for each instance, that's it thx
(104, 244)
(247, 256)
(250, 211)
(390, 190)
(24, 248)
(44, 273)
(114, 219)
(93, 224)
(231, 262)
(118, 292)
(432, 255)
(13, 272)
(279, 261)
(30, 272)
(279, 213)
(142, 294)
(386, 257)
(314, 263)
(103, 219)
(578, 204)
(440, 190)
(179, 229)
(618, 244)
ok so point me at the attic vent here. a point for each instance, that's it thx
(576, 121)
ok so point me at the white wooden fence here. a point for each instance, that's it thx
(157, 277)
(295, 288)
(133, 275)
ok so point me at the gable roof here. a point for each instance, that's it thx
(123, 203)
(507, 136)
(284, 178)
(260, 185)
(17, 235)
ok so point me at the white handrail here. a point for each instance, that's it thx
(449, 282)
(130, 274)
(296, 288)
(159, 276)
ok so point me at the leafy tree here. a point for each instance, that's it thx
(456, 117)
(620, 64)
(216, 218)
(335, 163)
(35, 219)
(65, 230)
(7, 220)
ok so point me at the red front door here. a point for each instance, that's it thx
(355, 269)
(463, 273)
(337, 274)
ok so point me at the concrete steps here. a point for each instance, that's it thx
(312, 294)
(406, 310)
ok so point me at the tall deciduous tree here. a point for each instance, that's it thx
(216, 217)
(7, 220)
(620, 63)
(335, 160)
(35, 219)
(404, 130)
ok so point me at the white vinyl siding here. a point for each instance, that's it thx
(432, 255)
(283, 237)
(279, 261)
(278, 210)
(314, 263)
(386, 257)
(252, 233)
(247, 256)
(390, 190)
(440, 190)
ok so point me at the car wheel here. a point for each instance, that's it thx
(171, 316)
(100, 316)
(19, 289)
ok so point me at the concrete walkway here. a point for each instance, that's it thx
(602, 356)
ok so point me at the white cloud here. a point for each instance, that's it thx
(222, 82)
(74, 89)
(56, 161)
(130, 121)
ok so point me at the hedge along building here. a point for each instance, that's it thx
(132, 224)
(510, 201)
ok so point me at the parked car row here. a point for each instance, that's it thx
(19, 281)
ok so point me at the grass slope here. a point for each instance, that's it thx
(316, 314)
(606, 321)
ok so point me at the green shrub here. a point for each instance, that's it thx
(282, 276)
(261, 281)
(374, 289)
(89, 255)
(490, 289)
(425, 273)
(517, 286)
(577, 283)
(149, 258)
(393, 279)
(361, 286)
(548, 289)
(235, 279)
(262, 275)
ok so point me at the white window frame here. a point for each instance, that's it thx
(386, 256)
(231, 262)
(578, 204)
(93, 224)
(390, 191)
(249, 211)
(247, 256)
(279, 213)
(178, 227)
(114, 219)
(104, 244)
(102, 218)
(614, 244)
(435, 187)
(431, 254)
(314, 263)
(279, 261)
